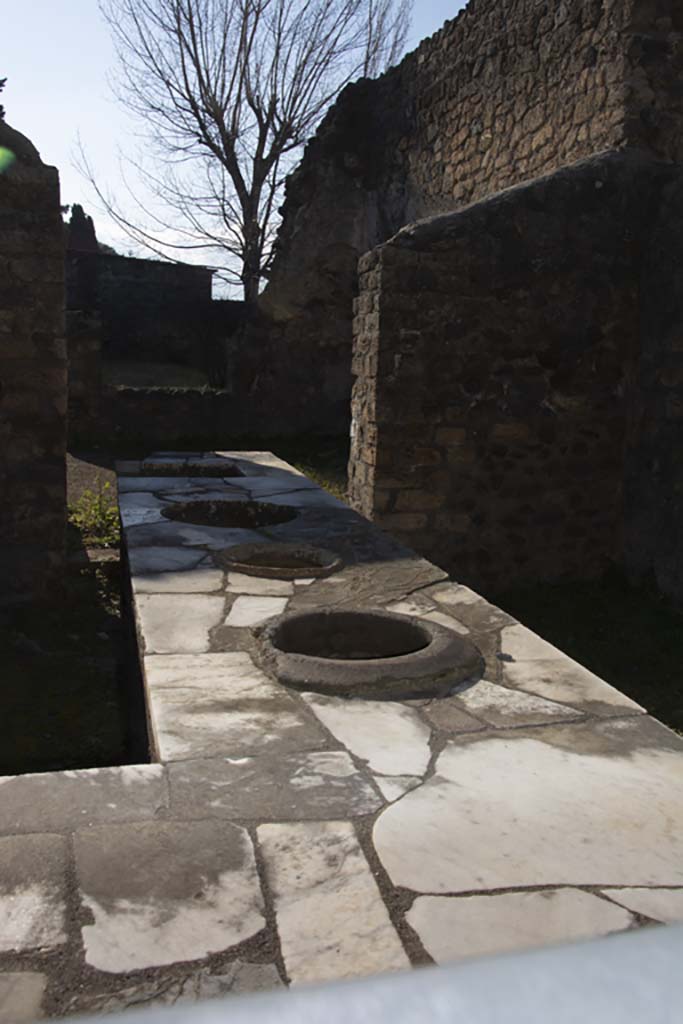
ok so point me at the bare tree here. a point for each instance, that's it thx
(228, 92)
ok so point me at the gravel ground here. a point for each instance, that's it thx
(86, 472)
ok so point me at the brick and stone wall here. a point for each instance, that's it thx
(33, 387)
(504, 93)
(500, 367)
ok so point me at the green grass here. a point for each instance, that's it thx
(630, 636)
(95, 515)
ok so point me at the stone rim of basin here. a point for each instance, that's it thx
(230, 514)
(269, 561)
(442, 661)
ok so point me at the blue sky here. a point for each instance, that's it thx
(56, 56)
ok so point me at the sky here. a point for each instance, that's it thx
(56, 57)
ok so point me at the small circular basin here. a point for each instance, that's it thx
(279, 561)
(367, 653)
(240, 515)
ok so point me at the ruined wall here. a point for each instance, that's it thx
(653, 498)
(33, 383)
(496, 357)
(150, 311)
(505, 92)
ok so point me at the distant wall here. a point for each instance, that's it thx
(505, 92)
(499, 373)
(33, 387)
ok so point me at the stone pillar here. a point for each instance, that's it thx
(33, 376)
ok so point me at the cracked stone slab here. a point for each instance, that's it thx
(32, 893)
(21, 996)
(204, 579)
(315, 786)
(532, 664)
(152, 484)
(447, 714)
(469, 607)
(165, 892)
(171, 533)
(451, 928)
(240, 583)
(582, 804)
(63, 801)
(372, 584)
(153, 561)
(172, 624)
(396, 786)
(237, 978)
(665, 905)
(330, 915)
(252, 611)
(390, 737)
(501, 707)
(222, 705)
(140, 507)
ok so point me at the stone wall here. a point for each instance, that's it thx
(504, 93)
(33, 384)
(84, 344)
(497, 353)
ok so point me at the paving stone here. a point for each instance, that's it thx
(390, 737)
(665, 905)
(144, 561)
(252, 611)
(240, 583)
(172, 624)
(171, 533)
(451, 928)
(21, 995)
(396, 786)
(221, 704)
(204, 579)
(538, 667)
(449, 622)
(470, 608)
(582, 804)
(499, 706)
(238, 978)
(221, 493)
(330, 915)
(316, 786)
(151, 484)
(63, 801)
(32, 893)
(447, 714)
(140, 507)
(415, 605)
(160, 893)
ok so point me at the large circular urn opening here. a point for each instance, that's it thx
(368, 653)
(240, 515)
(279, 561)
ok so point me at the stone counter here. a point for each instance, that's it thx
(283, 837)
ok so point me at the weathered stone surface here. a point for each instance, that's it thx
(239, 583)
(170, 624)
(238, 978)
(390, 737)
(165, 892)
(63, 801)
(395, 786)
(171, 533)
(534, 665)
(139, 508)
(252, 611)
(590, 804)
(290, 787)
(21, 995)
(32, 893)
(152, 561)
(665, 905)
(451, 928)
(319, 876)
(501, 707)
(449, 716)
(221, 704)
(204, 579)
